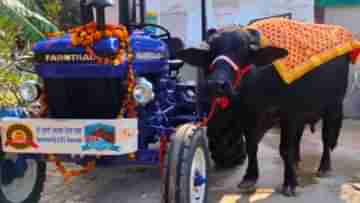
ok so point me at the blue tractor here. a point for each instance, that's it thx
(78, 120)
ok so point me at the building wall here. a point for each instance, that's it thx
(346, 16)
(349, 18)
(183, 17)
(112, 13)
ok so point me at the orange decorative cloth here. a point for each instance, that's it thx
(309, 45)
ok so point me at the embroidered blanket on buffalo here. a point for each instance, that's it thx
(309, 45)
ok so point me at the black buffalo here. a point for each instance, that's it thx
(262, 98)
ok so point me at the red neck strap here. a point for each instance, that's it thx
(240, 73)
(354, 55)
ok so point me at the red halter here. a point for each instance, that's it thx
(240, 72)
(224, 102)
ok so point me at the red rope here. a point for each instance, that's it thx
(162, 153)
(354, 55)
(240, 73)
(211, 114)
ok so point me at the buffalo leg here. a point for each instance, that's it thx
(252, 172)
(299, 134)
(330, 132)
(287, 152)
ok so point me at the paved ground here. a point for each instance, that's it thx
(139, 185)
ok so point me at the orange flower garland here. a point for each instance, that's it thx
(55, 34)
(87, 35)
(129, 104)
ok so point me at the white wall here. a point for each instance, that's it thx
(349, 18)
(186, 14)
(112, 13)
(242, 11)
(346, 16)
(183, 17)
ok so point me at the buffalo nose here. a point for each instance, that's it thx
(218, 87)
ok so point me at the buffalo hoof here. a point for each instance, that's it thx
(323, 173)
(288, 191)
(247, 186)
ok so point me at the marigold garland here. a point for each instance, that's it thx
(87, 35)
(55, 34)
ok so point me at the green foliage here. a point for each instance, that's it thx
(32, 25)
(29, 21)
(51, 9)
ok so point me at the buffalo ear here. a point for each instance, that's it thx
(267, 55)
(195, 57)
(254, 37)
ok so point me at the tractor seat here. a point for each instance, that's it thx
(101, 3)
(174, 44)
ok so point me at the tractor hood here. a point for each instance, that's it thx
(57, 58)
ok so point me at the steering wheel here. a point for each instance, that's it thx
(157, 36)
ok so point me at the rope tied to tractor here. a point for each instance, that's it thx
(86, 36)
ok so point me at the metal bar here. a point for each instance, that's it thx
(100, 18)
(124, 12)
(203, 20)
(142, 11)
(133, 12)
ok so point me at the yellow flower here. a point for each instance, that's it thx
(130, 56)
(117, 62)
(108, 33)
(75, 40)
(119, 34)
(97, 36)
(83, 34)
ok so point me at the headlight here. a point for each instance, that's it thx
(30, 91)
(143, 91)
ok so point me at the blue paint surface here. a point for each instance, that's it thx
(12, 112)
(109, 46)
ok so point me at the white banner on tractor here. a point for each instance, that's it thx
(52, 136)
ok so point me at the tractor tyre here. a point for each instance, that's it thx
(21, 180)
(185, 178)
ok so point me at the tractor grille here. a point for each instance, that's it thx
(85, 98)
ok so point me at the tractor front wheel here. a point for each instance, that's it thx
(21, 180)
(186, 167)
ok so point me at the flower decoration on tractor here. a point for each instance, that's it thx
(86, 36)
